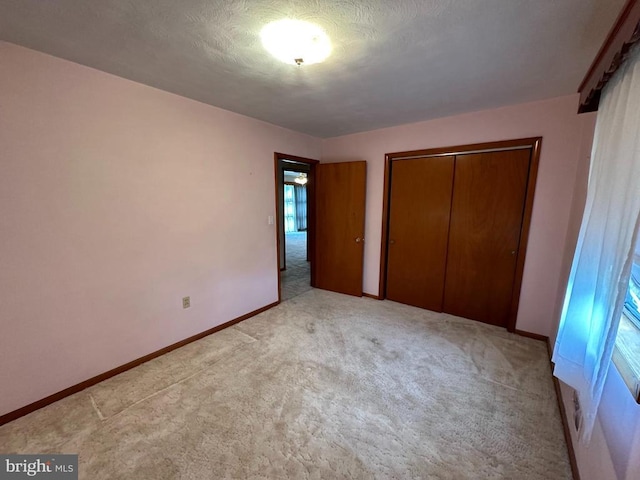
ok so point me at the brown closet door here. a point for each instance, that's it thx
(486, 217)
(420, 204)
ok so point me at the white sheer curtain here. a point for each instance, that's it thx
(602, 261)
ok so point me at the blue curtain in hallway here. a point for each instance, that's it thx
(289, 209)
(301, 207)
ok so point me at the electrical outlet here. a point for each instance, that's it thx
(186, 302)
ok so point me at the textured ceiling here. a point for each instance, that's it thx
(394, 61)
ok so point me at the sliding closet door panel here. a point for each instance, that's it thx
(486, 218)
(420, 204)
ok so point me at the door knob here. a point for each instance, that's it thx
(513, 252)
(358, 240)
(391, 242)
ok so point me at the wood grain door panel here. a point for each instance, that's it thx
(419, 211)
(486, 219)
(340, 210)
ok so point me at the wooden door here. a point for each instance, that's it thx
(340, 206)
(419, 211)
(486, 219)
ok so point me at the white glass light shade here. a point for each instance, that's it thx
(296, 42)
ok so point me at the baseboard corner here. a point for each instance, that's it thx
(371, 295)
(535, 336)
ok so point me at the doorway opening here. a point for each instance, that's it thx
(296, 273)
(295, 219)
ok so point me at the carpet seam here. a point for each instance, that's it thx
(254, 339)
(154, 394)
(182, 380)
(96, 409)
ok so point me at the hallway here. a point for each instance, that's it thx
(296, 279)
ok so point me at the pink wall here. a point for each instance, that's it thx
(555, 120)
(575, 214)
(116, 200)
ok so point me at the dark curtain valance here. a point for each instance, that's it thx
(622, 37)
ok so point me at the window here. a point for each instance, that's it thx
(632, 300)
(626, 355)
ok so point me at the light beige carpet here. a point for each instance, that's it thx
(323, 386)
(296, 279)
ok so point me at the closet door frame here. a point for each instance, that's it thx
(534, 144)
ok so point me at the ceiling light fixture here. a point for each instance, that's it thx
(301, 179)
(296, 42)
